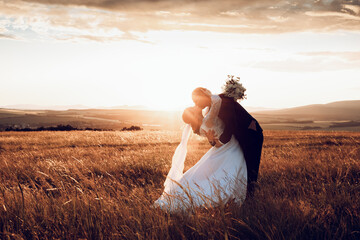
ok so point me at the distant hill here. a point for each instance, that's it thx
(258, 109)
(335, 111)
(115, 119)
(44, 107)
(338, 116)
(138, 107)
(66, 107)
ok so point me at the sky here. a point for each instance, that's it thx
(103, 53)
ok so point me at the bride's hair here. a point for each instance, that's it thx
(194, 117)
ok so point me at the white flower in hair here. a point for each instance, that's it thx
(233, 88)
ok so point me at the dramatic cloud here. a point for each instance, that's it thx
(7, 36)
(117, 19)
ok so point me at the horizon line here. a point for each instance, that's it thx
(38, 107)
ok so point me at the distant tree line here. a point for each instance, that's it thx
(59, 127)
(132, 128)
(68, 127)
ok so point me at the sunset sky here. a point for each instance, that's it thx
(154, 53)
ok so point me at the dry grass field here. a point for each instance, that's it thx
(101, 185)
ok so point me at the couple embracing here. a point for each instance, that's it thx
(229, 170)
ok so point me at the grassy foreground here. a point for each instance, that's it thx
(100, 185)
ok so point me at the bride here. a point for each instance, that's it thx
(219, 176)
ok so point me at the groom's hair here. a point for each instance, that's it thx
(193, 116)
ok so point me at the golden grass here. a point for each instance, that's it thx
(101, 185)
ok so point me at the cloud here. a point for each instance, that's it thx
(4, 33)
(7, 36)
(60, 22)
(345, 56)
(71, 18)
(107, 38)
(2, 29)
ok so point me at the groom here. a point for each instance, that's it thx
(242, 125)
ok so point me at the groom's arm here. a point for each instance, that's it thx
(226, 135)
(226, 115)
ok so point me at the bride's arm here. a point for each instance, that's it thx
(214, 141)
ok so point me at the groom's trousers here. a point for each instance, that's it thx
(252, 148)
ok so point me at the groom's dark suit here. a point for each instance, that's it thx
(237, 121)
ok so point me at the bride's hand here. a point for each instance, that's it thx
(214, 141)
(210, 135)
(217, 143)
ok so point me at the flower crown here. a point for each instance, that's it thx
(233, 88)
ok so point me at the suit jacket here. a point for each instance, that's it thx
(236, 120)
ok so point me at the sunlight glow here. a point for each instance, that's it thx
(278, 71)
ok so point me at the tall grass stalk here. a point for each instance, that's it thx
(101, 185)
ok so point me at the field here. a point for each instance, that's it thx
(101, 185)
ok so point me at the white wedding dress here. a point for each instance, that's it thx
(219, 176)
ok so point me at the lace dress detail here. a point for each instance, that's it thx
(211, 120)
